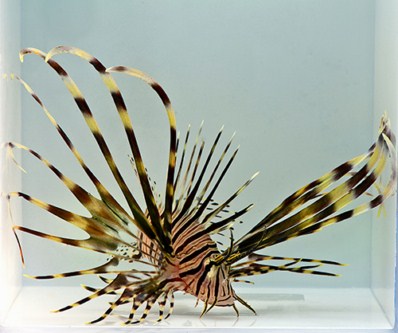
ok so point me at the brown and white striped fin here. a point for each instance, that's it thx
(94, 128)
(326, 207)
(173, 136)
(88, 116)
(162, 239)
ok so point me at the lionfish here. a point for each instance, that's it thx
(154, 251)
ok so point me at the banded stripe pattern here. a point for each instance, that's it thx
(166, 246)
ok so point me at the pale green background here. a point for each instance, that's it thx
(293, 78)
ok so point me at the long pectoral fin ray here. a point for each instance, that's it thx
(94, 128)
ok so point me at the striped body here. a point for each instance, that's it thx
(192, 268)
(194, 261)
(169, 245)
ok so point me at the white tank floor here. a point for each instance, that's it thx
(284, 309)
